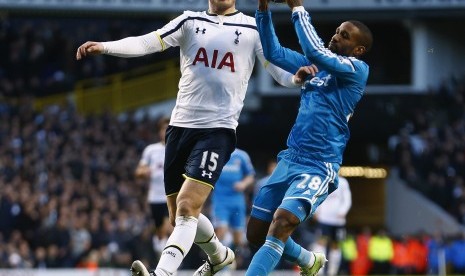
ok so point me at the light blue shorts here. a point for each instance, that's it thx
(299, 179)
(229, 213)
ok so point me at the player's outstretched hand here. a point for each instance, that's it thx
(89, 48)
(304, 72)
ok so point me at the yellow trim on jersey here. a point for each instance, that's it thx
(163, 46)
(172, 194)
(198, 181)
(266, 63)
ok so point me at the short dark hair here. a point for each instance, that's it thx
(366, 38)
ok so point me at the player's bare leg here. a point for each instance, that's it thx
(189, 203)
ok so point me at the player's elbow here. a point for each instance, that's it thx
(141, 173)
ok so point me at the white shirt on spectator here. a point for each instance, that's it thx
(334, 209)
(154, 157)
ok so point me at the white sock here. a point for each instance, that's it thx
(312, 259)
(206, 239)
(178, 245)
(334, 262)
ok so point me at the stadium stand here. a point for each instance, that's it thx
(67, 195)
(429, 149)
(37, 54)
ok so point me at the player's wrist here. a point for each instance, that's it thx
(293, 80)
(105, 48)
(296, 81)
(263, 5)
(298, 9)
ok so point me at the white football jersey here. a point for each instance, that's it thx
(153, 156)
(217, 56)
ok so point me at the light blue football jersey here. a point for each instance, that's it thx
(238, 167)
(328, 100)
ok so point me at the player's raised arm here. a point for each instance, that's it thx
(134, 46)
(351, 40)
(285, 58)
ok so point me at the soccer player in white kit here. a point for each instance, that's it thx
(217, 55)
(150, 168)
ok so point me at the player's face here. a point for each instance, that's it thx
(222, 6)
(345, 40)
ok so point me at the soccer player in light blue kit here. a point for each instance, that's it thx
(308, 170)
(228, 199)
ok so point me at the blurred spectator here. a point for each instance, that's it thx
(380, 252)
(228, 201)
(455, 255)
(151, 170)
(40, 258)
(331, 220)
(418, 253)
(401, 262)
(362, 264)
(436, 247)
(80, 238)
(349, 254)
(53, 259)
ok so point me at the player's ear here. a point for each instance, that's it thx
(359, 50)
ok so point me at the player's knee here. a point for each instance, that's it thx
(284, 223)
(187, 207)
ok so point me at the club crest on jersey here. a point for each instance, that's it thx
(213, 60)
(198, 30)
(236, 41)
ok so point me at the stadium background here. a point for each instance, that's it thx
(408, 131)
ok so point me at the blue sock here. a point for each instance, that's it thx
(266, 258)
(295, 253)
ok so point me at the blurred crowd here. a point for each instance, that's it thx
(430, 149)
(37, 55)
(67, 193)
(367, 253)
(68, 198)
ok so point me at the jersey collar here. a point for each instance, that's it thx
(229, 14)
